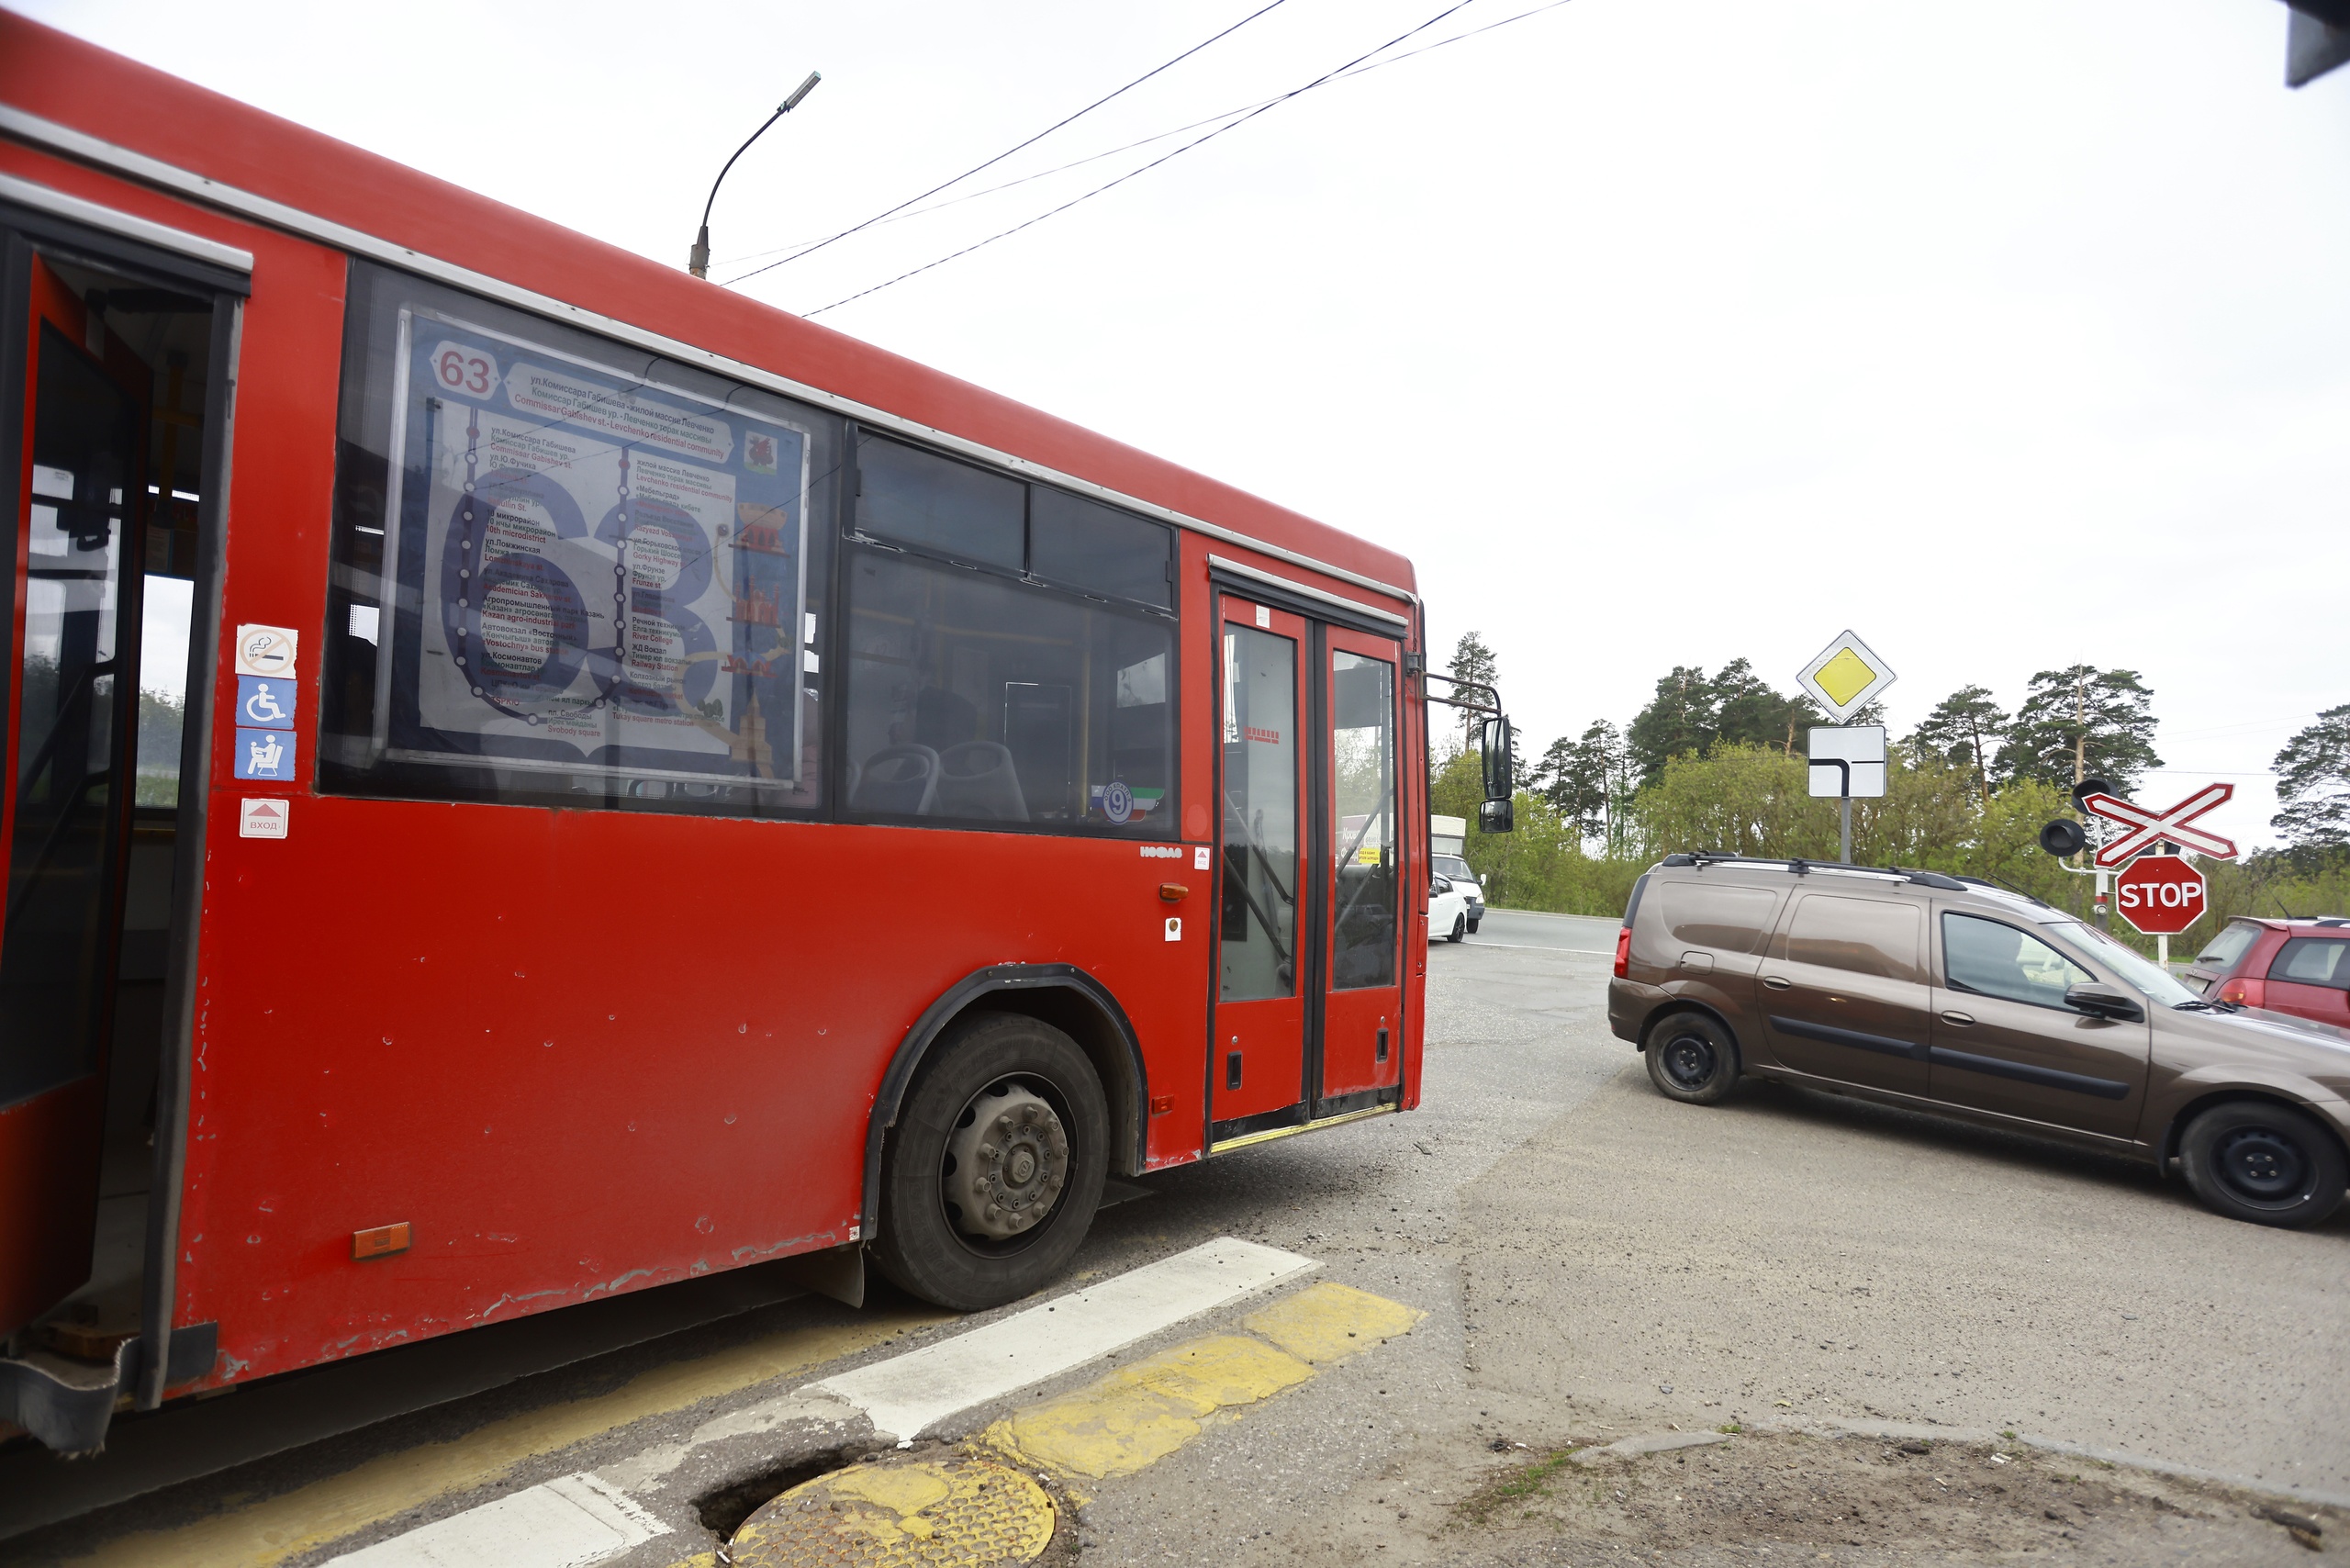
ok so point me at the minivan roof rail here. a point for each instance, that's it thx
(1802, 868)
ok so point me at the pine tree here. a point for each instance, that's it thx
(1966, 730)
(1473, 663)
(2313, 784)
(2082, 723)
(1691, 711)
(1580, 777)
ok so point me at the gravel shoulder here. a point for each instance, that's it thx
(1800, 1256)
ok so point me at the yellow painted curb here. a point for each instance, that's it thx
(1137, 1415)
(1328, 1322)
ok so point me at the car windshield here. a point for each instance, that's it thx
(2160, 987)
(1453, 865)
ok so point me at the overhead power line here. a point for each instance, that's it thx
(1010, 151)
(899, 215)
(1322, 79)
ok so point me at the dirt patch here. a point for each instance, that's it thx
(1864, 1501)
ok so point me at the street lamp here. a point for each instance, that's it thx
(698, 263)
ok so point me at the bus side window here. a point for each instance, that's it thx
(566, 574)
(975, 699)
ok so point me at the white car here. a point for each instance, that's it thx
(1447, 911)
(1454, 869)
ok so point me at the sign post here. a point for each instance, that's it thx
(1846, 762)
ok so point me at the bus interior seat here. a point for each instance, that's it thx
(976, 780)
(897, 781)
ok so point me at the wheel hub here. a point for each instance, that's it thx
(1689, 1060)
(1007, 1162)
(2261, 1164)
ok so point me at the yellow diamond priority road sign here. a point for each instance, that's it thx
(1845, 677)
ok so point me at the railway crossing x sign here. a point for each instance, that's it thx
(2144, 829)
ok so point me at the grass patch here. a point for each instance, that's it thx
(1528, 1482)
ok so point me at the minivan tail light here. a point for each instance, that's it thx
(2244, 992)
(1623, 952)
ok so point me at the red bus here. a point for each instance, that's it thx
(531, 777)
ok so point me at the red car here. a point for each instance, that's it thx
(2302, 966)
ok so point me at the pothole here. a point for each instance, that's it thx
(940, 1511)
(722, 1512)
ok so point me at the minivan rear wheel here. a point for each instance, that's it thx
(1692, 1059)
(2251, 1160)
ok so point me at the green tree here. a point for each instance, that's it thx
(1473, 663)
(1749, 712)
(1691, 711)
(1580, 777)
(2313, 784)
(1965, 731)
(2082, 723)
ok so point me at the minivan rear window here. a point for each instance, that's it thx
(2228, 945)
(1724, 919)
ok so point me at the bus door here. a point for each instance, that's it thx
(1368, 905)
(72, 651)
(1257, 1068)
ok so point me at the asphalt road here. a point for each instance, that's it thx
(1558, 932)
(1590, 1263)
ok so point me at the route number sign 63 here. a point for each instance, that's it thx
(465, 370)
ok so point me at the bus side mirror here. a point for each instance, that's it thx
(1498, 783)
(1495, 816)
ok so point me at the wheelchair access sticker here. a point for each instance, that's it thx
(264, 703)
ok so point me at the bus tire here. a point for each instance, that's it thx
(990, 1178)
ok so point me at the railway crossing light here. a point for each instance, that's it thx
(698, 260)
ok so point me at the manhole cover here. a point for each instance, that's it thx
(942, 1512)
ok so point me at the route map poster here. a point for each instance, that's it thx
(596, 574)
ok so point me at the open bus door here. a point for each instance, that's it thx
(65, 797)
(117, 350)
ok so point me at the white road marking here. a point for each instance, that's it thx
(1531, 946)
(567, 1523)
(906, 1393)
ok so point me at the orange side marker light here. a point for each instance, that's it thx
(381, 1242)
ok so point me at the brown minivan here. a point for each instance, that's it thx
(1948, 995)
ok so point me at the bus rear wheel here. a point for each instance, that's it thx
(993, 1171)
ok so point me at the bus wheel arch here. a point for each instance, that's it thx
(1061, 995)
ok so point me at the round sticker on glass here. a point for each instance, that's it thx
(1117, 801)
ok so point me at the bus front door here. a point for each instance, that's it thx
(1367, 907)
(1257, 1068)
(64, 797)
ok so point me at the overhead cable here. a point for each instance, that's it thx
(897, 215)
(1322, 79)
(1010, 151)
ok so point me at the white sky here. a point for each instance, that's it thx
(2008, 335)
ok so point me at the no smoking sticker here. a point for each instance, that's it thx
(265, 650)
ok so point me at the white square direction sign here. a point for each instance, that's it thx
(1847, 762)
(1844, 678)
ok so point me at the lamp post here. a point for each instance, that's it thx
(698, 263)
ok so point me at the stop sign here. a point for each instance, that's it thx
(2161, 895)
